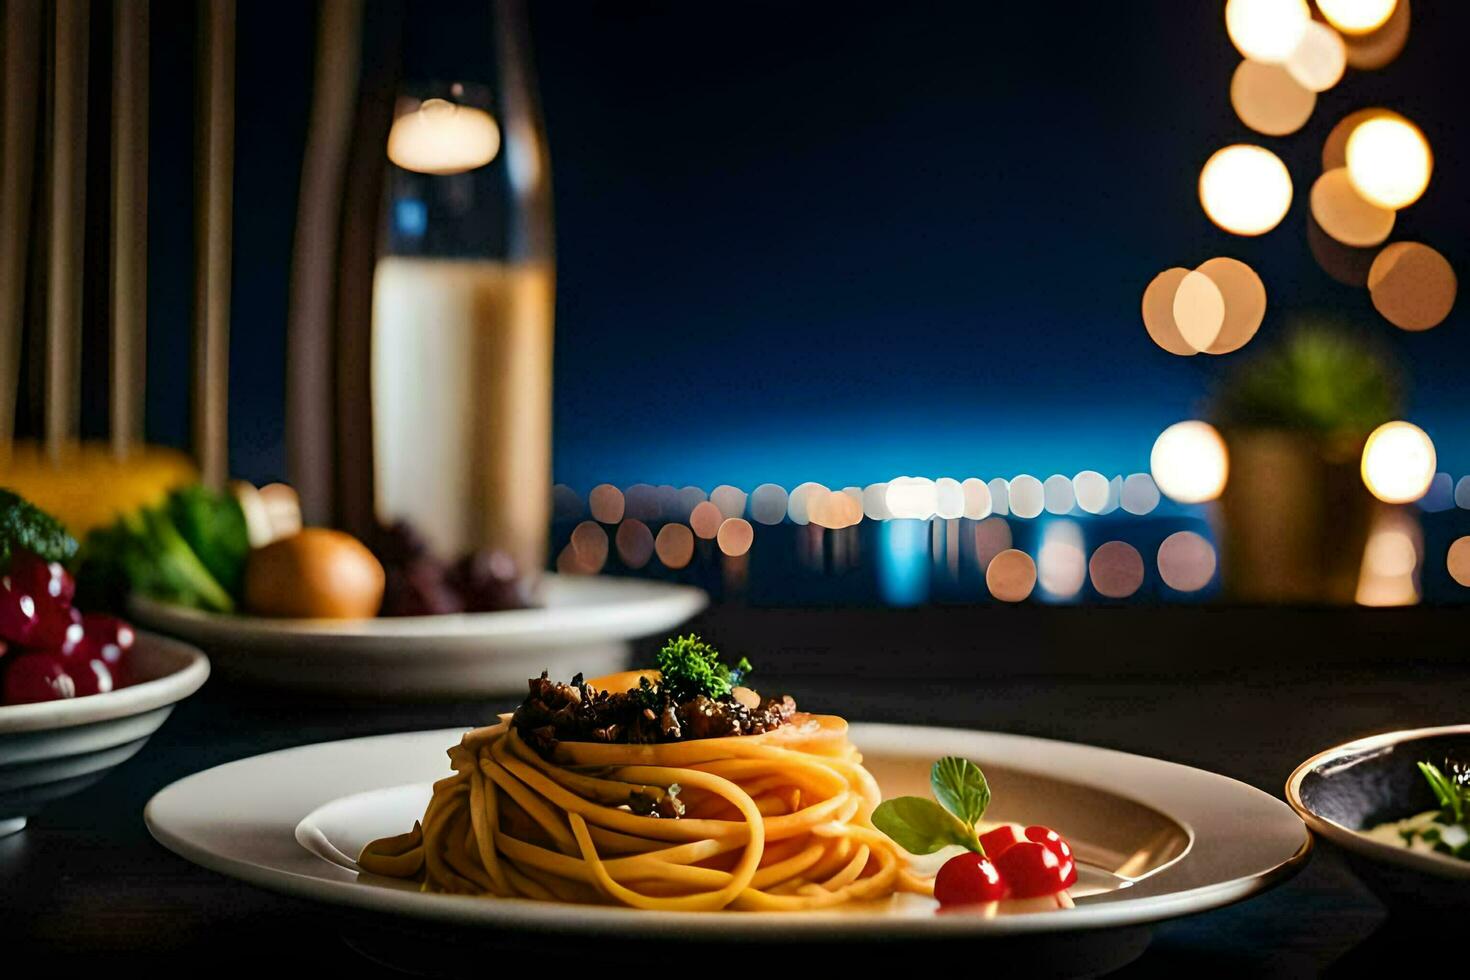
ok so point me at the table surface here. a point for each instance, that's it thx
(85, 882)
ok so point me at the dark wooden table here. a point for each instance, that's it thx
(1247, 693)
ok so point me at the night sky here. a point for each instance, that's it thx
(843, 242)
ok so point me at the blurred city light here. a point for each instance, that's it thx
(1345, 214)
(1245, 189)
(1266, 30)
(1189, 462)
(1357, 16)
(440, 137)
(1398, 462)
(1270, 99)
(1389, 161)
(1320, 59)
(1412, 285)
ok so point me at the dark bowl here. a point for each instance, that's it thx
(1353, 787)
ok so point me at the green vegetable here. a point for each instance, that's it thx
(1453, 794)
(213, 525)
(1321, 380)
(190, 550)
(922, 826)
(961, 787)
(25, 527)
(689, 667)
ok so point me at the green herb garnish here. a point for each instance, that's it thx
(26, 527)
(1453, 794)
(689, 667)
(922, 826)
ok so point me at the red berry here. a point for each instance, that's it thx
(90, 676)
(37, 677)
(968, 879)
(1058, 845)
(1032, 870)
(18, 617)
(112, 638)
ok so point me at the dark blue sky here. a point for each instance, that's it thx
(844, 241)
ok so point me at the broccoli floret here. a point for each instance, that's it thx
(25, 527)
(689, 667)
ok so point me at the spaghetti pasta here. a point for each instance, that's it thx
(779, 820)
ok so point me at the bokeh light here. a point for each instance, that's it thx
(912, 497)
(949, 498)
(1412, 285)
(1244, 298)
(1186, 561)
(705, 520)
(634, 543)
(440, 137)
(1345, 263)
(1199, 310)
(1458, 560)
(1320, 59)
(1334, 148)
(730, 500)
(992, 536)
(566, 503)
(768, 503)
(688, 498)
(1389, 161)
(1266, 30)
(606, 503)
(1357, 16)
(798, 505)
(1398, 462)
(977, 498)
(1139, 494)
(1061, 563)
(674, 545)
(1011, 575)
(1028, 497)
(875, 502)
(1368, 52)
(736, 536)
(1057, 495)
(835, 510)
(1158, 312)
(589, 548)
(1462, 493)
(1091, 489)
(1189, 462)
(1389, 573)
(1245, 189)
(640, 502)
(1000, 496)
(1345, 214)
(1270, 99)
(1116, 569)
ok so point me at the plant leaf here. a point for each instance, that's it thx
(922, 826)
(961, 787)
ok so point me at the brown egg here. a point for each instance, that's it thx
(316, 573)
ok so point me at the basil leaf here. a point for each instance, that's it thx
(921, 826)
(961, 787)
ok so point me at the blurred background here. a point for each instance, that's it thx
(802, 249)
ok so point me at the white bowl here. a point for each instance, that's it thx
(52, 749)
(581, 623)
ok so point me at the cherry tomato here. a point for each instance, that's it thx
(50, 587)
(999, 840)
(1058, 845)
(1032, 870)
(36, 677)
(18, 617)
(968, 879)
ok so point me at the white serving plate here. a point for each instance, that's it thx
(1156, 840)
(52, 749)
(581, 623)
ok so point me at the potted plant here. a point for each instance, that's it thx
(1295, 511)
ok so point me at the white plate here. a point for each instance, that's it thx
(1161, 839)
(582, 623)
(52, 749)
